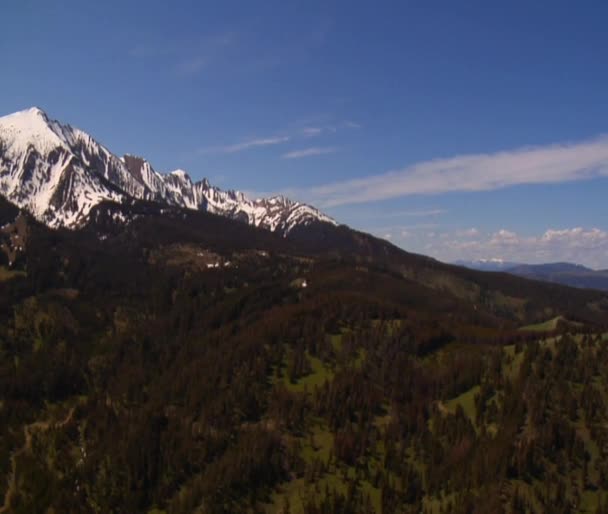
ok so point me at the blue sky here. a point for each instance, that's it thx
(455, 130)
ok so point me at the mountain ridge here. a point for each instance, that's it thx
(565, 273)
(58, 173)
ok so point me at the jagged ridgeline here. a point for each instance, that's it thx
(59, 173)
(167, 359)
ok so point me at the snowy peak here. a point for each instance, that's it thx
(59, 173)
(30, 128)
(41, 171)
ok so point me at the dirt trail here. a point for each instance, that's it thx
(28, 431)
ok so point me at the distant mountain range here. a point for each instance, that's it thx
(59, 173)
(565, 273)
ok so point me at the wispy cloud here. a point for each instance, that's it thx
(187, 56)
(292, 133)
(420, 214)
(310, 152)
(476, 172)
(245, 145)
(322, 125)
(312, 131)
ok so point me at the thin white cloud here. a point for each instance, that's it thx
(476, 172)
(312, 131)
(195, 65)
(194, 58)
(188, 56)
(310, 152)
(245, 145)
(324, 124)
(421, 213)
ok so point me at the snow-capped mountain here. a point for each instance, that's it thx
(58, 173)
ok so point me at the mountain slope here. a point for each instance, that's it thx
(168, 358)
(59, 173)
(161, 359)
(488, 296)
(564, 273)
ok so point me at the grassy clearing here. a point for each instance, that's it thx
(512, 369)
(590, 501)
(318, 444)
(320, 373)
(444, 356)
(7, 274)
(551, 325)
(295, 492)
(336, 341)
(288, 498)
(546, 326)
(467, 401)
(436, 505)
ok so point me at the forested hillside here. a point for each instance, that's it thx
(189, 363)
